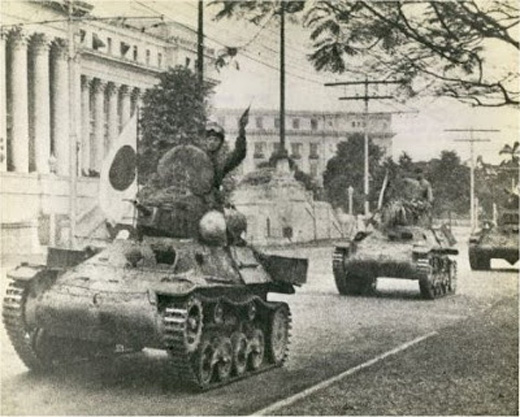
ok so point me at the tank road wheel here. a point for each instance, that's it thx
(426, 279)
(207, 358)
(193, 325)
(278, 334)
(225, 359)
(218, 313)
(239, 342)
(256, 349)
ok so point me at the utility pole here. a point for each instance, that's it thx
(200, 41)
(282, 151)
(73, 145)
(471, 141)
(366, 98)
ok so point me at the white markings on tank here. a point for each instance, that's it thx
(271, 409)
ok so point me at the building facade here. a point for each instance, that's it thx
(311, 137)
(70, 82)
(67, 87)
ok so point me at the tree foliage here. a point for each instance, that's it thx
(444, 42)
(173, 112)
(450, 180)
(435, 46)
(346, 169)
(494, 184)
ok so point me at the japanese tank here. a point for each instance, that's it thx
(187, 283)
(399, 242)
(498, 241)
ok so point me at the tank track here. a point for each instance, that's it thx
(437, 276)
(14, 323)
(185, 357)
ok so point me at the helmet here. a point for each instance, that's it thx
(214, 128)
(212, 228)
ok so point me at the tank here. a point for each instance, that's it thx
(398, 243)
(498, 241)
(185, 282)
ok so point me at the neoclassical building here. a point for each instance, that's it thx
(311, 136)
(66, 90)
(68, 86)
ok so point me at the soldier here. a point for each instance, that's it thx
(426, 192)
(213, 146)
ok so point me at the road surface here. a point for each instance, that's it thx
(393, 353)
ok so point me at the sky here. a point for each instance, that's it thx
(419, 125)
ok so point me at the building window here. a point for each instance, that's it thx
(148, 57)
(109, 45)
(124, 48)
(295, 123)
(187, 62)
(314, 124)
(97, 43)
(353, 124)
(135, 52)
(296, 150)
(159, 60)
(259, 150)
(268, 227)
(276, 122)
(276, 147)
(259, 123)
(314, 151)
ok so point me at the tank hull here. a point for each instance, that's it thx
(412, 253)
(205, 305)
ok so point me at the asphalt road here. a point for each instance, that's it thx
(464, 361)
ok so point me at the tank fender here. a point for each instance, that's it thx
(26, 272)
(446, 251)
(421, 251)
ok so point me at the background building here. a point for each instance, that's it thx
(68, 84)
(311, 137)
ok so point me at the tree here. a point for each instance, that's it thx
(451, 184)
(444, 43)
(346, 169)
(173, 112)
(513, 152)
(431, 45)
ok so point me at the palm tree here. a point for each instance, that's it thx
(513, 152)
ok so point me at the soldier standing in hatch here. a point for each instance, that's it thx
(212, 144)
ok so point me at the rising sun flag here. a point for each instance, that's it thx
(118, 178)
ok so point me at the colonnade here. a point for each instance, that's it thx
(35, 108)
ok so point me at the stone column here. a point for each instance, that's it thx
(135, 101)
(3, 104)
(18, 102)
(41, 103)
(125, 104)
(98, 104)
(112, 117)
(85, 124)
(61, 110)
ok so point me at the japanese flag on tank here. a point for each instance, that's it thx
(118, 178)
